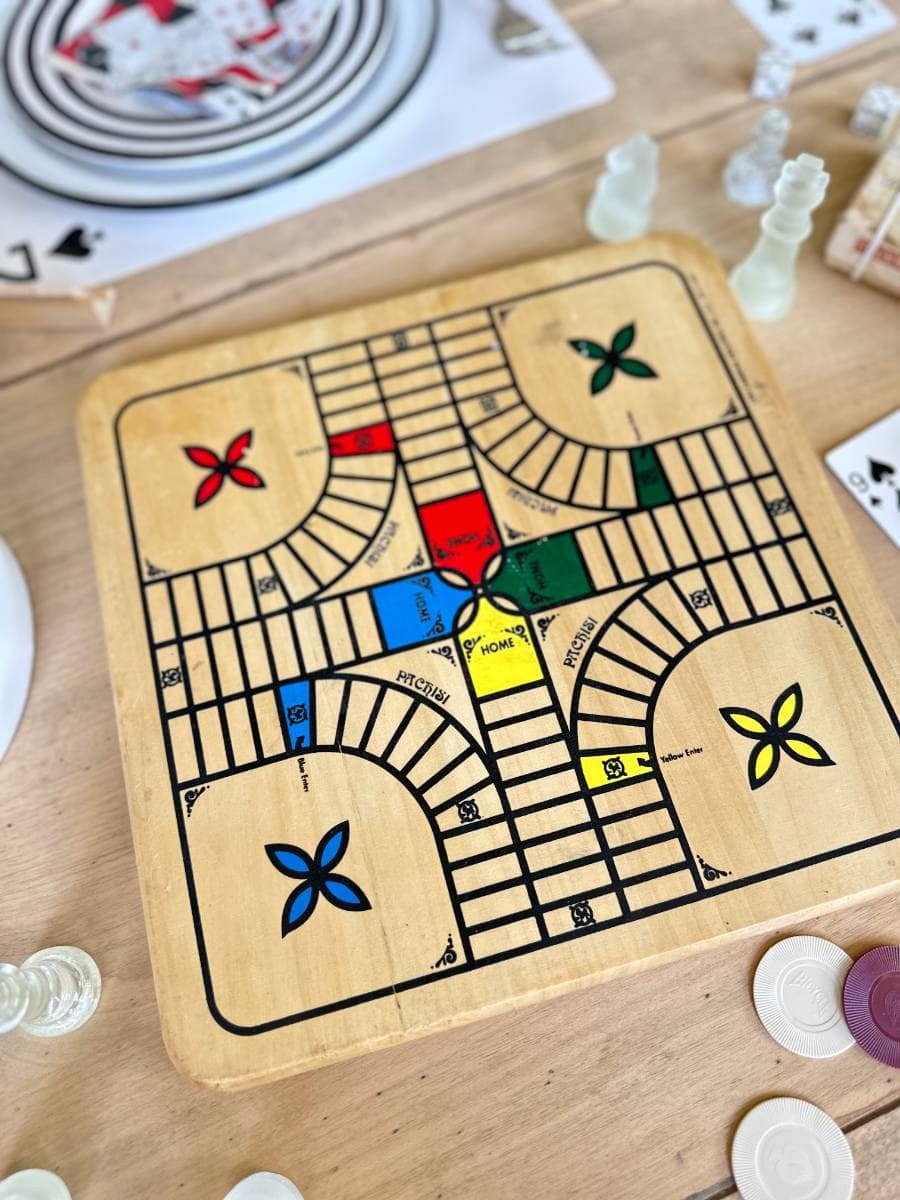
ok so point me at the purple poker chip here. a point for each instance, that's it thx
(872, 1003)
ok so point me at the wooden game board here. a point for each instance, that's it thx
(474, 646)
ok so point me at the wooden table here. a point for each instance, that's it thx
(630, 1090)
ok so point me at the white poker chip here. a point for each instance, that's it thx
(797, 992)
(787, 1149)
(33, 1184)
(264, 1186)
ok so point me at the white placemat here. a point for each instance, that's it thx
(469, 94)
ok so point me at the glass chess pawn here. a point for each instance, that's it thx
(52, 993)
(751, 173)
(622, 201)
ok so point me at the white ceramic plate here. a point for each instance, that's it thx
(93, 125)
(16, 645)
(197, 179)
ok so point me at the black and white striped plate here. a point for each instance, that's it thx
(170, 161)
(73, 116)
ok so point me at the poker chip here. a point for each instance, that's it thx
(263, 1186)
(797, 991)
(872, 1003)
(787, 1149)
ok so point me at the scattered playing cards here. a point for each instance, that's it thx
(869, 467)
(814, 29)
(182, 56)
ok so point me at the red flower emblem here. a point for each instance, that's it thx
(220, 468)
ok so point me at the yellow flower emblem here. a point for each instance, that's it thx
(775, 735)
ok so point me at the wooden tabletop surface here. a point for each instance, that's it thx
(630, 1090)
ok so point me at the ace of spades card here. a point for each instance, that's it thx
(869, 467)
(811, 30)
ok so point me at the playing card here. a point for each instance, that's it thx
(241, 20)
(54, 263)
(229, 103)
(304, 21)
(869, 467)
(131, 42)
(815, 29)
(192, 48)
(298, 29)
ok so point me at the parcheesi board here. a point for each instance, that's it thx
(474, 646)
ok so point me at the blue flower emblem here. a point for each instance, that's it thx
(317, 878)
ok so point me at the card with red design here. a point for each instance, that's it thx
(191, 51)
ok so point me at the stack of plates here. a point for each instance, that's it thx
(78, 141)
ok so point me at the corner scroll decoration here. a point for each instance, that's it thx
(191, 796)
(710, 873)
(448, 958)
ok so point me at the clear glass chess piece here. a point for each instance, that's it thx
(622, 202)
(751, 173)
(765, 281)
(53, 992)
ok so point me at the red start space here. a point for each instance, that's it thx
(370, 439)
(461, 533)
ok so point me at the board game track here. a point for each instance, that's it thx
(691, 550)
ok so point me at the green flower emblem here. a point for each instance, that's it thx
(613, 360)
(774, 735)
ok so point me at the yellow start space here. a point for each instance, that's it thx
(498, 651)
(606, 770)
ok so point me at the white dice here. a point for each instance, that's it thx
(773, 76)
(876, 111)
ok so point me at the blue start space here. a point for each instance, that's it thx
(295, 705)
(417, 609)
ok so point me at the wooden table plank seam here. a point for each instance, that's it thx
(726, 1187)
(571, 171)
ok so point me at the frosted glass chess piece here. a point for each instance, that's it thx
(53, 992)
(263, 1186)
(751, 172)
(622, 201)
(33, 1185)
(16, 645)
(764, 282)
